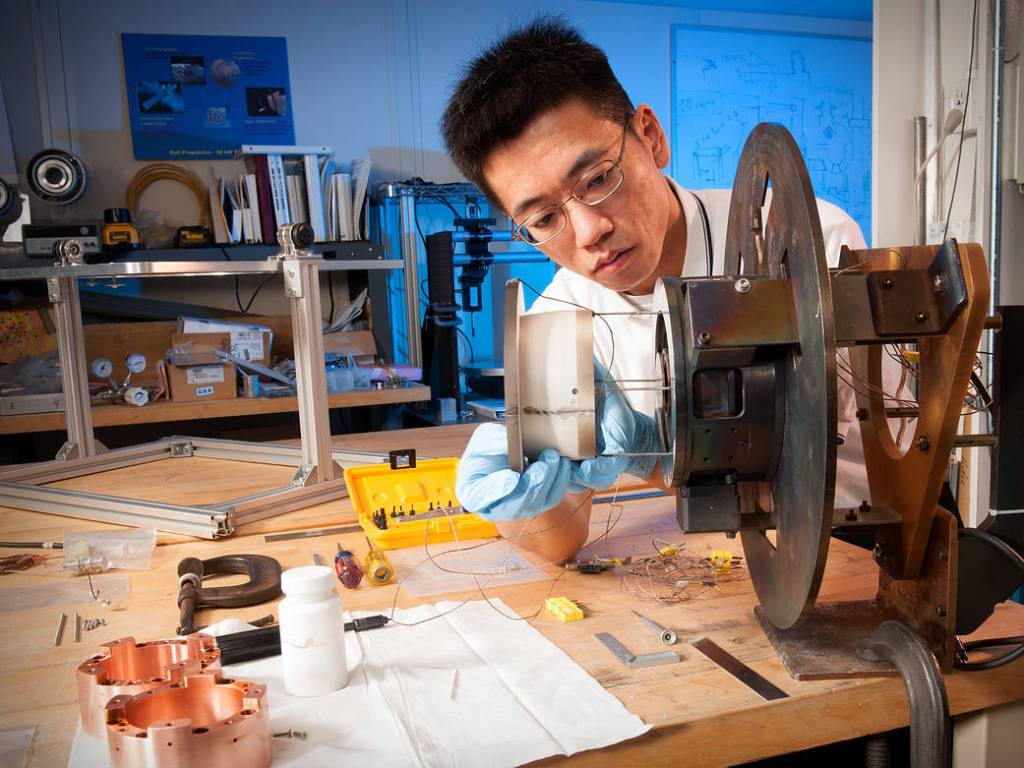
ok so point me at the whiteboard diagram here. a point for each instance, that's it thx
(725, 81)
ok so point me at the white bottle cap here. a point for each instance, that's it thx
(309, 580)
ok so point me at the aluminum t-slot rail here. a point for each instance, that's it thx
(318, 468)
(23, 487)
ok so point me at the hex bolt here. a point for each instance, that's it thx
(887, 282)
(743, 285)
(923, 443)
(703, 339)
(920, 317)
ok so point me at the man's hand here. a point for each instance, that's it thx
(485, 483)
(620, 430)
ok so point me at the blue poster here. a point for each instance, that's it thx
(202, 96)
(725, 81)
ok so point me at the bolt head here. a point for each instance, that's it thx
(703, 339)
(887, 282)
(743, 285)
(923, 443)
(920, 317)
(939, 283)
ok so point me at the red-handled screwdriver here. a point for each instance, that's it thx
(349, 573)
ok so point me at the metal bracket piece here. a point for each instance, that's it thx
(632, 660)
(181, 448)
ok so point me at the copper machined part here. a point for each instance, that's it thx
(203, 720)
(127, 668)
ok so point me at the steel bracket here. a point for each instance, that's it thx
(181, 448)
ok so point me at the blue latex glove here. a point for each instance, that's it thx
(620, 429)
(485, 483)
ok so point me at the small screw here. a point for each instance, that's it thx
(876, 553)
(940, 610)
(290, 734)
(920, 317)
(939, 283)
(743, 285)
(887, 282)
(703, 339)
(923, 443)
(944, 556)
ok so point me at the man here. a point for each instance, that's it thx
(541, 124)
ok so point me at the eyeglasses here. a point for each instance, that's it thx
(593, 187)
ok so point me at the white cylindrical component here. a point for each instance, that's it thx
(136, 396)
(312, 632)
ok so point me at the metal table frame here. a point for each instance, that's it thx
(318, 468)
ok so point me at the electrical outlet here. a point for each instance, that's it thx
(958, 100)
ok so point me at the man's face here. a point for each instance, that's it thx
(617, 243)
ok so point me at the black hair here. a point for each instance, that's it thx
(531, 70)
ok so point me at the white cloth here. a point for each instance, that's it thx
(472, 688)
(634, 334)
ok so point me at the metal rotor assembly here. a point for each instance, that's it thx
(129, 668)
(749, 410)
(748, 363)
(202, 720)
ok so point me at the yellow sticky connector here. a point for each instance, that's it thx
(668, 550)
(721, 561)
(563, 609)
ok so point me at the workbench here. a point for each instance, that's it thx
(701, 715)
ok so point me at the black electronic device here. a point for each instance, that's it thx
(39, 239)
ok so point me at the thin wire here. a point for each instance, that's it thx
(480, 587)
(963, 123)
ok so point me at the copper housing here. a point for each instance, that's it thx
(202, 721)
(127, 668)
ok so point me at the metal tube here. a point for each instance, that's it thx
(500, 236)
(920, 191)
(996, 144)
(302, 284)
(60, 629)
(410, 256)
(511, 258)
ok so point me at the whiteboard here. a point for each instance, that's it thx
(725, 81)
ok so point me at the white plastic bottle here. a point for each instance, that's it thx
(312, 632)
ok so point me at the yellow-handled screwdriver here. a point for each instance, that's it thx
(376, 566)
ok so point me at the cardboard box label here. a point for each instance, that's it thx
(204, 374)
(247, 345)
(204, 391)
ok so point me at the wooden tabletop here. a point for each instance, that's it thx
(109, 415)
(702, 715)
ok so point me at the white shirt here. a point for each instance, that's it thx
(625, 345)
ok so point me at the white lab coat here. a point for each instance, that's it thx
(628, 349)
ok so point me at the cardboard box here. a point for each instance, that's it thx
(194, 370)
(249, 342)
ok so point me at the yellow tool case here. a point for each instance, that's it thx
(413, 500)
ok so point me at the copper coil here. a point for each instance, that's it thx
(203, 720)
(129, 668)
